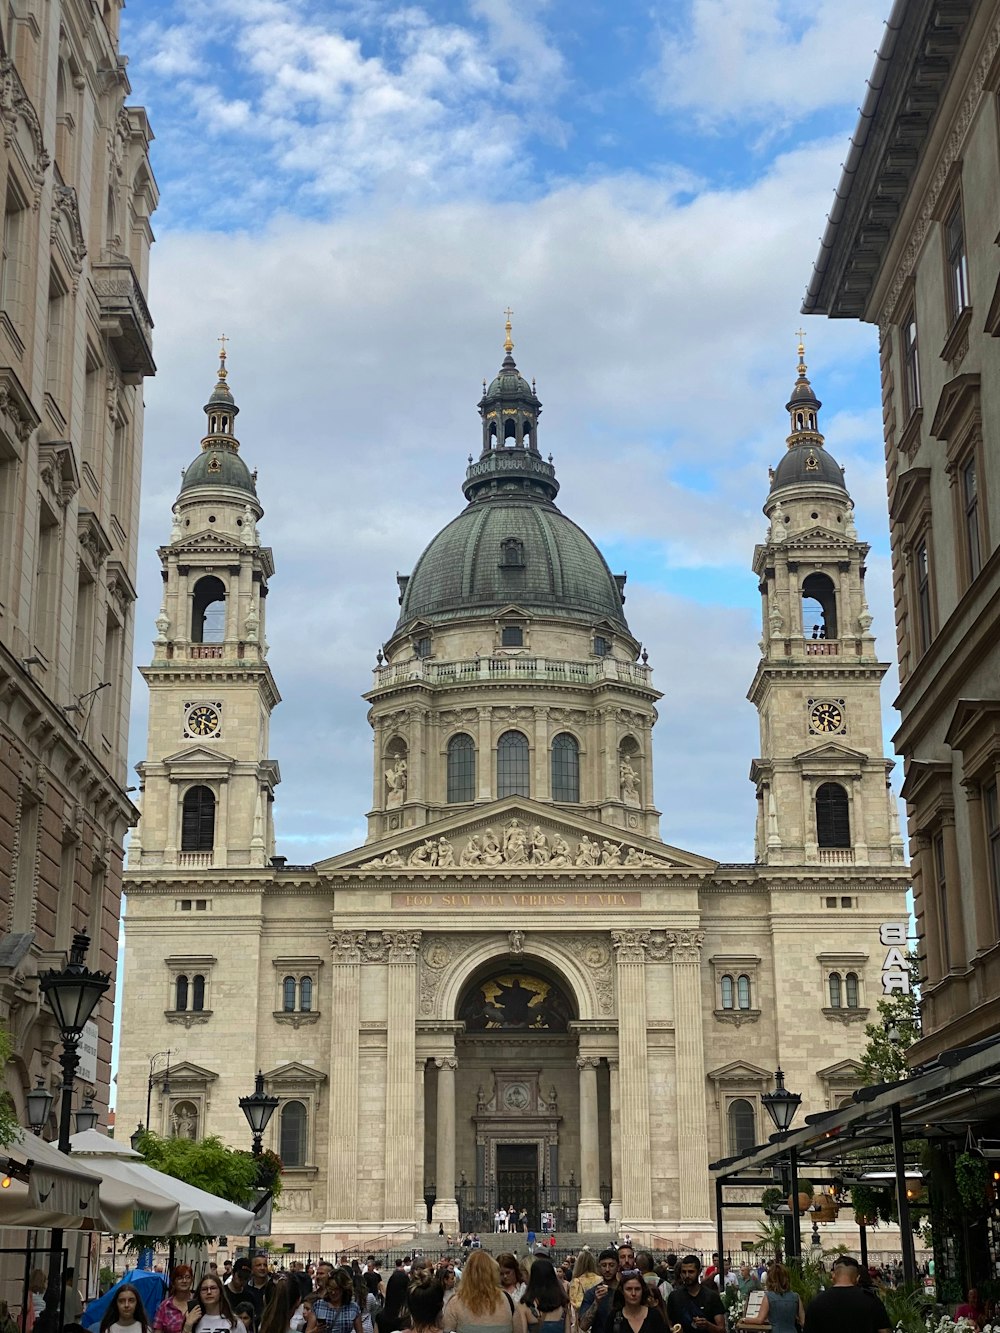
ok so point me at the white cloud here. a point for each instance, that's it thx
(767, 59)
(660, 329)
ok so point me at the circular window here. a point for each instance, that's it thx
(211, 518)
(814, 515)
(239, 523)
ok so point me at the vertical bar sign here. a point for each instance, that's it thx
(895, 967)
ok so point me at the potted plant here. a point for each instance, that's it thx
(972, 1175)
(804, 1198)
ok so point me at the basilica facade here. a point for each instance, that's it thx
(516, 993)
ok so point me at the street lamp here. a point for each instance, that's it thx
(72, 995)
(86, 1116)
(135, 1138)
(782, 1106)
(258, 1109)
(39, 1103)
(165, 1087)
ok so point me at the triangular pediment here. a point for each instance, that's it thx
(844, 1071)
(207, 542)
(512, 609)
(501, 838)
(187, 1073)
(831, 752)
(197, 755)
(741, 1072)
(814, 536)
(294, 1074)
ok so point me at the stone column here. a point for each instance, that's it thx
(400, 1190)
(630, 969)
(419, 1133)
(859, 833)
(692, 1120)
(610, 784)
(342, 1093)
(542, 788)
(484, 755)
(615, 1211)
(591, 1211)
(446, 1205)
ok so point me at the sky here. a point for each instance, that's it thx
(353, 193)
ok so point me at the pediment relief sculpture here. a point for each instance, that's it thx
(514, 844)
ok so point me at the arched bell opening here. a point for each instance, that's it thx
(819, 607)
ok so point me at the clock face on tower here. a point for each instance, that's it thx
(202, 720)
(826, 718)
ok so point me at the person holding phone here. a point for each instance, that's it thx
(211, 1311)
(696, 1307)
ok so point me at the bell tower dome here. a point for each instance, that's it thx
(822, 778)
(207, 784)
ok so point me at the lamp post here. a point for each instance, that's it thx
(782, 1106)
(72, 995)
(165, 1090)
(258, 1109)
(39, 1103)
(86, 1116)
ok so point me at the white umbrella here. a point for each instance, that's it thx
(199, 1213)
(59, 1192)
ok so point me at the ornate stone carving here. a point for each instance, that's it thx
(737, 1017)
(395, 778)
(249, 535)
(515, 845)
(15, 105)
(595, 954)
(346, 945)
(587, 1061)
(402, 945)
(435, 954)
(446, 1062)
(515, 942)
(686, 945)
(630, 945)
(296, 1201)
(65, 205)
(629, 782)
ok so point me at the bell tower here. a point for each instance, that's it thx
(207, 783)
(823, 795)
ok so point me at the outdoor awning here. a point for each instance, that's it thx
(197, 1212)
(959, 1089)
(49, 1189)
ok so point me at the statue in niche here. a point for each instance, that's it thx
(515, 942)
(629, 781)
(185, 1121)
(176, 526)
(396, 780)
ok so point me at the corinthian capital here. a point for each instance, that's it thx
(630, 945)
(402, 945)
(346, 945)
(587, 1061)
(686, 945)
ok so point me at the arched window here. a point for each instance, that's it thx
(742, 1126)
(181, 993)
(513, 765)
(198, 993)
(851, 990)
(198, 820)
(208, 610)
(833, 823)
(509, 433)
(743, 992)
(565, 768)
(819, 607)
(836, 991)
(728, 996)
(292, 1138)
(288, 995)
(461, 769)
(305, 995)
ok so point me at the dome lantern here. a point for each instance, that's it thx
(219, 463)
(807, 462)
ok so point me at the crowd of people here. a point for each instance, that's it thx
(616, 1291)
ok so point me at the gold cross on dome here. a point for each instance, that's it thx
(508, 345)
(222, 342)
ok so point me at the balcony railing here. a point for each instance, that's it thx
(204, 651)
(512, 669)
(836, 856)
(125, 317)
(195, 860)
(821, 648)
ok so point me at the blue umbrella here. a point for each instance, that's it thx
(152, 1288)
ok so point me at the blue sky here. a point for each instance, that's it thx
(353, 193)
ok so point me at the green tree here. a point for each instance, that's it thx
(205, 1163)
(8, 1113)
(892, 1034)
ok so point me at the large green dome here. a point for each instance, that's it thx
(509, 550)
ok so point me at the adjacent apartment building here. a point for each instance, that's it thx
(912, 245)
(75, 346)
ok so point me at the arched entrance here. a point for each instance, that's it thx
(517, 1099)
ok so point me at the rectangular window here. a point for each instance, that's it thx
(57, 331)
(923, 584)
(14, 231)
(83, 639)
(94, 419)
(911, 364)
(119, 482)
(9, 470)
(970, 501)
(46, 582)
(957, 261)
(110, 717)
(991, 811)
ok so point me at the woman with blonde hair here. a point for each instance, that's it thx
(480, 1305)
(781, 1307)
(585, 1276)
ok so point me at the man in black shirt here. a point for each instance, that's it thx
(845, 1305)
(697, 1308)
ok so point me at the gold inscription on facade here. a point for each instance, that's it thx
(494, 901)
